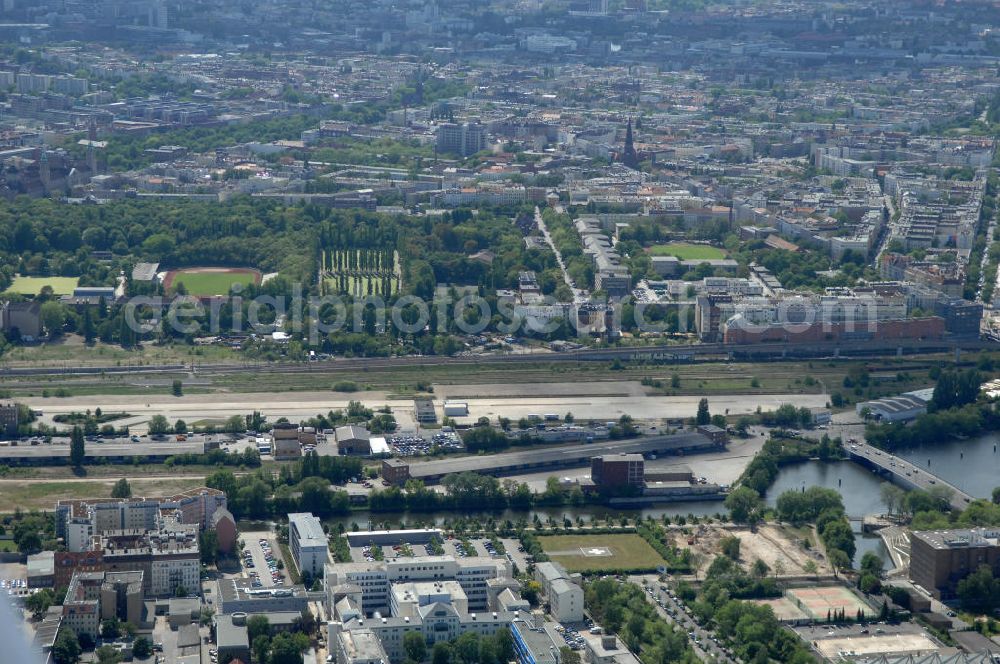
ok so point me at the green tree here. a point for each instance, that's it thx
(108, 654)
(258, 625)
(441, 653)
(177, 388)
(703, 417)
(871, 563)
(110, 628)
(180, 426)
(288, 648)
(261, 646)
(208, 543)
(730, 547)
(158, 425)
(236, 424)
(142, 648)
(121, 489)
(77, 453)
(39, 602)
(744, 505)
(839, 559)
(466, 648)
(415, 646)
(759, 569)
(893, 497)
(569, 656)
(53, 315)
(979, 591)
(87, 328)
(66, 649)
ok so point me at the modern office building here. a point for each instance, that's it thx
(308, 543)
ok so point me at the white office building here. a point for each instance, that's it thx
(307, 542)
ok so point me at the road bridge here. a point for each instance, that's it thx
(903, 473)
(564, 456)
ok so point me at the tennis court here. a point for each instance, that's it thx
(819, 601)
(785, 610)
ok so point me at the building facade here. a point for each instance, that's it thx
(939, 559)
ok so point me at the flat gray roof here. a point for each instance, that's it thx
(229, 635)
(309, 528)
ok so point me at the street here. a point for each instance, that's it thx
(673, 611)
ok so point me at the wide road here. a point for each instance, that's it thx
(558, 456)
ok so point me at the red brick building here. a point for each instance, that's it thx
(617, 470)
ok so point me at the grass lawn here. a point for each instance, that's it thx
(7, 546)
(33, 285)
(599, 553)
(685, 251)
(211, 283)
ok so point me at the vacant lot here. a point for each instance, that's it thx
(33, 285)
(685, 251)
(598, 553)
(42, 495)
(208, 281)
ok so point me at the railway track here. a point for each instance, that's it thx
(680, 352)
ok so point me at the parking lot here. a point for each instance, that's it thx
(516, 553)
(406, 444)
(260, 560)
(13, 576)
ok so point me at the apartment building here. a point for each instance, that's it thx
(92, 597)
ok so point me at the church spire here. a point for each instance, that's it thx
(629, 156)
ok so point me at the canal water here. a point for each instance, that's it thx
(972, 465)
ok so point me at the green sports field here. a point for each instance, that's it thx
(600, 553)
(33, 285)
(208, 282)
(685, 251)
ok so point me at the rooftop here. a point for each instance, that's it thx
(959, 538)
(309, 528)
